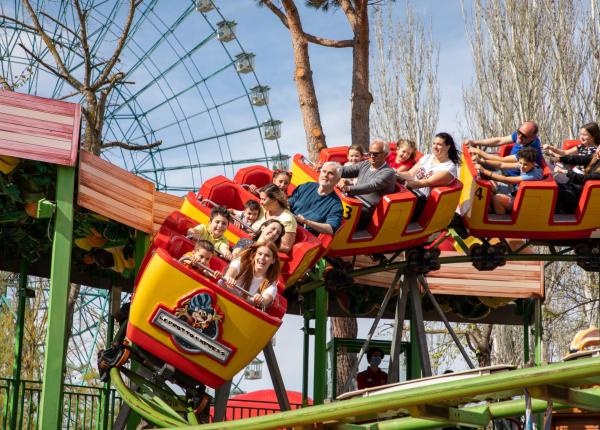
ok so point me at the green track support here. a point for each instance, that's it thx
(54, 359)
(305, 359)
(18, 352)
(509, 383)
(320, 370)
(105, 396)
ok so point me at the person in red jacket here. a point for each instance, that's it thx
(373, 376)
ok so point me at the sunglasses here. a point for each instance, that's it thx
(523, 135)
(374, 154)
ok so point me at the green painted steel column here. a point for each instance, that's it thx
(105, 399)
(537, 314)
(141, 246)
(526, 317)
(414, 362)
(54, 359)
(305, 359)
(320, 371)
(18, 351)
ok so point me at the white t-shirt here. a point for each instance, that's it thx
(426, 169)
(256, 282)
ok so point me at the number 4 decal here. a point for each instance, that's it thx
(479, 193)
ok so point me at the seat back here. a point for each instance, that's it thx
(254, 175)
(225, 192)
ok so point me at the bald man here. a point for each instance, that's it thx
(526, 136)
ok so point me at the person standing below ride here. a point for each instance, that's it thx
(275, 205)
(374, 179)
(433, 170)
(256, 271)
(403, 158)
(589, 134)
(525, 136)
(373, 376)
(271, 231)
(503, 203)
(569, 193)
(316, 205)
(214, 231)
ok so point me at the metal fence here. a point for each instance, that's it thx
(84, 408)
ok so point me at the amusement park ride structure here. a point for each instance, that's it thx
(233, 331)
(393, 262)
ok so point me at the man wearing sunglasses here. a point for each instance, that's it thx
(526, 136)
(375, 178)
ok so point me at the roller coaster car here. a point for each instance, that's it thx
(533, 214)
(189, 321)
(390, 228)
(305, 252)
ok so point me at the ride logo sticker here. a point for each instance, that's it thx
(195, 325)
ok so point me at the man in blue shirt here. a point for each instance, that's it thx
(316, 205)
(526, 136)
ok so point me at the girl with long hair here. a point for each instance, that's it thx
(271, 231)
(275, 206)
(256, 271)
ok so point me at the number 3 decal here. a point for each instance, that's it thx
(347, 212)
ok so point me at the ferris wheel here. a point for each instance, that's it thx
(189, 84)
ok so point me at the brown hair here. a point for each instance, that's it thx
(278, 172)
(204, 244)
(357, 148)
(593, 129)
(247, 265)
(273, 192)
(410, 143)
(257, 234)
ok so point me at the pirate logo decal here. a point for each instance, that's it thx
(195, 325)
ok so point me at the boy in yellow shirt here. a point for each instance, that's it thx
(214, 231)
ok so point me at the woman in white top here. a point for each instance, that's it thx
(274, 204)
(256, 271)
(436, 169)
(432, 170)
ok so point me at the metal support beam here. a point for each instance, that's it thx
(575, 398)
(305, 359)
(320, 369)
(446, 322)
(282, 398)
(105, 395)
(18, 351)
(54, 358)
(537, 315)
(417, 318)
(454, 416)
(400, 316)
(526, 318)
(221, 397)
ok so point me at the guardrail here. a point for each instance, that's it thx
(83, 406)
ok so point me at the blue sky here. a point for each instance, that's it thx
(262, 33)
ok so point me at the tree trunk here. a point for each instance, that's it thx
(344, 327)
(361, 96)
(315, 139)
(480, 342)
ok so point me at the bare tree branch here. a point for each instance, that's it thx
(344, 43)
(42, 62)
(51, 47)
(120, 45)
(87, 71)
(129, 146)
(60, 24)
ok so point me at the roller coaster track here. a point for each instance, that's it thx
(426, 406)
